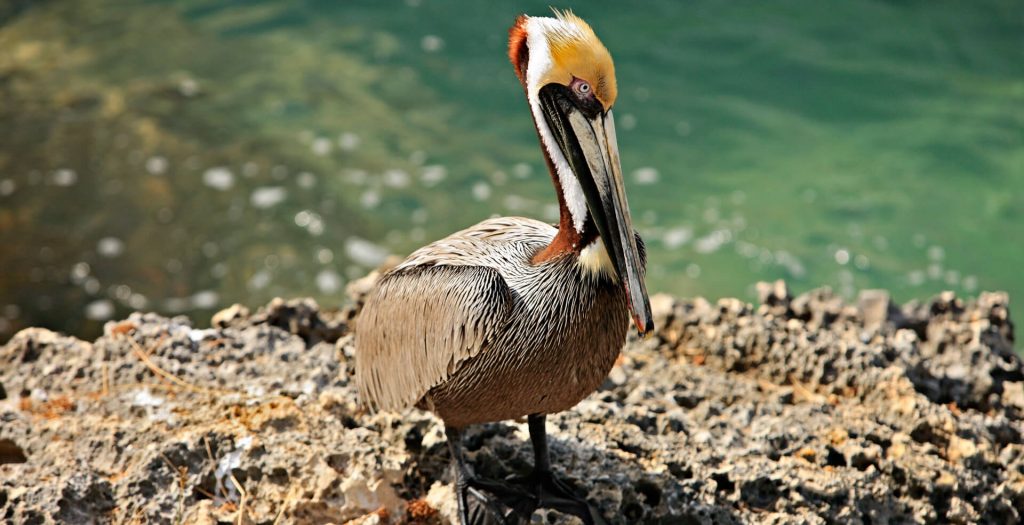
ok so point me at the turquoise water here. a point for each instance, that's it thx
(181, 156)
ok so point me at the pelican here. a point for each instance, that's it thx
(514, 317)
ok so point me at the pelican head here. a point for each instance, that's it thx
(569, 80)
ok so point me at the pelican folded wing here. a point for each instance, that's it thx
(419, 324)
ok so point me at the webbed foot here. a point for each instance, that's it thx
(515, 500)
(540, 489)
(477, 508)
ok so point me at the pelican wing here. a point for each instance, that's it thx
(420, 324)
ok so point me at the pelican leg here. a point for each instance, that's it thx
(551, 492)
(523, 495)
(475, 508)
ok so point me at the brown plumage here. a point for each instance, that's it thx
(471, 329)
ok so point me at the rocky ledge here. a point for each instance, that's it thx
(802, 410)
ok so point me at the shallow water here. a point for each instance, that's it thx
(181, 156)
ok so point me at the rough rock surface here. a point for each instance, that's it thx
(802, 410)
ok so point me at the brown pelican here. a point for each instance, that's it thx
(513, 317)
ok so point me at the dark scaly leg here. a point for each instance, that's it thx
(521, 495)
(475, 508)
(551, 492)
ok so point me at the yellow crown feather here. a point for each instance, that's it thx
(577, 52)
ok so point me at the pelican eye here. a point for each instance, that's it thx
(584, 88)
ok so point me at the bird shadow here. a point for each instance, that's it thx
(611, 478)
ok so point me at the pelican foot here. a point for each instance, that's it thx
(540, 489)
(479, 509)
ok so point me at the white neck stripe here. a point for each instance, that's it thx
(539, 64)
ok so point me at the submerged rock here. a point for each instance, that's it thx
(803, 410)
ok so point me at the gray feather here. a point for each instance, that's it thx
(420, 324)
(470, 328)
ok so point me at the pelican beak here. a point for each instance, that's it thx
(586, 136)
